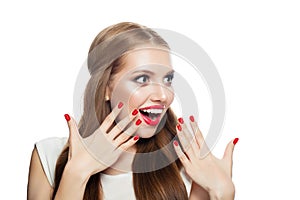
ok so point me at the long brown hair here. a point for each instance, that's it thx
(103, 63)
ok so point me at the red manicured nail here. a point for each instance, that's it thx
(192, 118)
(120, 105)
(135, 138)
(180, 120)
(67, 117)
(179, 127)
(175, 143)
(135, 112)
(235, 141)
(138, 122)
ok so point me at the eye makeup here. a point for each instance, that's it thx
(142, 79)
(146, 75)
(169, 78)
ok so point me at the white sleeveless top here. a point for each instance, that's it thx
(115, 187)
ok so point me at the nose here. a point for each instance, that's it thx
(159, 93)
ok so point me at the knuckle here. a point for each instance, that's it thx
(124, 146)
(109, 119)
(129, 132)
(121, 139)
(117, 129)
(124, 136)
(121, 125)
(182, 158)
(101, 129)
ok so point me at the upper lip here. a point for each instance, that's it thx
(153, 107)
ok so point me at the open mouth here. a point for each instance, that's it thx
(152, 114)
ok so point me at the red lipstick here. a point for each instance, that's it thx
(153, 107)
(152, 114)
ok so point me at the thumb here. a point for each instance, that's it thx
(73, 133)
(229, 150)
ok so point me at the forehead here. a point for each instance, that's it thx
(146, 56)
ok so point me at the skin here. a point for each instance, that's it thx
(145, 80)
(213, 182)
(211, 176)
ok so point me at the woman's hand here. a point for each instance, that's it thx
(101, 149)
(209, 172)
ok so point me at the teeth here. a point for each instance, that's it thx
(154, 111)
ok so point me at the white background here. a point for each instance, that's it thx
(255, 46)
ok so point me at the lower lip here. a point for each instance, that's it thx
(149, 121)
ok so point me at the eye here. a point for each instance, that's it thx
(168, 79)
(142, 79)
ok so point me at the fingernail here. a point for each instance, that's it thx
(180, 120)
(235, 141)
(135, 138)
(192, 118)
(120, 105)
(175, 143)
(135, 112)
(138, 122)
(179, 127)
(67, 117)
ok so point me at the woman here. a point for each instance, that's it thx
(128, 125)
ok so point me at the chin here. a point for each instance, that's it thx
(146, 132)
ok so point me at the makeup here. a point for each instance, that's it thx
(152, 114)
(145, 83)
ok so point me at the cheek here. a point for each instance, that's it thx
(137, 98)
(133, 96)
(121, 93)
(170, 96)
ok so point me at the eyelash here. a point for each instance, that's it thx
(142, 76)
(170, 77)
(146, 79)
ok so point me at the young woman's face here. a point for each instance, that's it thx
(144, 83)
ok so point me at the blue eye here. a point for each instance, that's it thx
(168, 79)
(142, 79)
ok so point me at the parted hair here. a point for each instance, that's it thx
(160, 184)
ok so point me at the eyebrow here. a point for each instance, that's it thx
(151, 72)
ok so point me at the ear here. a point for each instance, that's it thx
(107, 93)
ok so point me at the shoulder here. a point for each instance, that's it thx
(48, 151)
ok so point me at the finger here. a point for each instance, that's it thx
(109, 120)
(129, 143)
(190, 146)
(120, 126)
(182, 157)
(197, 133)
(182, 138)
(73, 133)
(228, 155)
(68, 118)
(229, 150)
(125, 135)
(73, 129)
(204, 149)
(187, 133)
